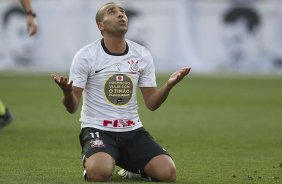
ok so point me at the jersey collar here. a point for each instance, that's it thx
(114, 54)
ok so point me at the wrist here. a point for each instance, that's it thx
(67, 94)
(31, 13)
(169, 86)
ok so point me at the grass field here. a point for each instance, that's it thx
(219, 130)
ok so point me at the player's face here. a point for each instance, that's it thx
(115, 20)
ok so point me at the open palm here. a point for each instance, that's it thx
(63, 83)
(178, 76)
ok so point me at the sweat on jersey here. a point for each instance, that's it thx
(109, 82)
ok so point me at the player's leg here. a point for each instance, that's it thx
(5, 115)
(99, 167)
(99, 154)
(161, 168)
(147, 158)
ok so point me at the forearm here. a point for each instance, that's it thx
(26, 5)
(70, 102)
(158, 97)
(154, 98)
(71, 93)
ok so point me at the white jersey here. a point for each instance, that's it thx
(110, 82)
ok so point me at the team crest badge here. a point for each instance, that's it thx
(97, 143)
(133, 66)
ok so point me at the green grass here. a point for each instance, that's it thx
(219, 129)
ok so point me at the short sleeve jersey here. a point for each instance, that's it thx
(109, 82)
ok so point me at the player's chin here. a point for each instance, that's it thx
(124, 31)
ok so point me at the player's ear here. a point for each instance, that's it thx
(100, 26)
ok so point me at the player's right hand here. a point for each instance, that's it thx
(63, 83)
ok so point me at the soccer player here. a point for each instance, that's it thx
(107, 73)
(31, 17)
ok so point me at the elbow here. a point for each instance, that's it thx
(71, 111)
(152, 107)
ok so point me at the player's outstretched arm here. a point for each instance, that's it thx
(72, 94)
(31, 17)
(155, 97)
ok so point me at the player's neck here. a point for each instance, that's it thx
(115, 45)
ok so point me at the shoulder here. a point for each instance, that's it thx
(88, 50)
(136, 47)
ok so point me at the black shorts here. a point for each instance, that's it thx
(131, 150)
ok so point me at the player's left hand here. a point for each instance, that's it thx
(31, 25)
(178, 76)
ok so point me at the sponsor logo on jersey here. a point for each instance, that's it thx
(118, 123)
(119, 78)
(118, 89)
(118, 67)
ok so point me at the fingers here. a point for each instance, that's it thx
(32, 25)
(66, 80)
(32, 31)
(183, 72)
(186, 71)
(63, 83)
(60, 80)
(56, 78)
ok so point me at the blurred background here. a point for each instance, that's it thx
(211, 36)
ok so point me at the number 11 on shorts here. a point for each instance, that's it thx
(96, 133)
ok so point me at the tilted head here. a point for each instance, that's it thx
(111, 19)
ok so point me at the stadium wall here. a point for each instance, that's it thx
(203, 34)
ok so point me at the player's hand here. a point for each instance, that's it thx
(178, 76)
(63, 83)
(31, 25)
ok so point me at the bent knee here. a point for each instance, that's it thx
(168, 174)
(99, 172)
(98, 175)
(161, 168)
(99, 167)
